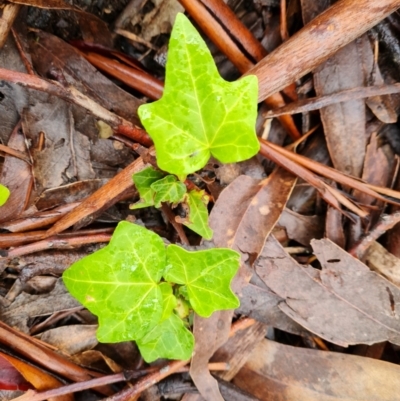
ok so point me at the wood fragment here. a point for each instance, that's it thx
(316, 103)
(303, 52)
(9, 13)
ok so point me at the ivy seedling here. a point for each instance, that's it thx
(140, 289)
(154, 188)
(129, 285)
(200, 114)
(4, 194)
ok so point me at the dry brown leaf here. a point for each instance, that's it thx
(301, 228)
(51, 55)
(378, 259)
(159, 20)
(71, 339)
(65, 154)
(238, 348)
(377, 169)
(257, 206)
(381, 106)
(260, 303)
(16, 175)
(344, 123)
(40, 380)
(334, 229)
(26, 306)
(248, 209)
(277, 372)
(69, 193)
(344, 303)
(210, 334)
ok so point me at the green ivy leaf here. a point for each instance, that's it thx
(119, 283)
(4, 194)
(197, 218)
(169, 300)
(143, 180)
(168, 189)
(207, 276)
(200, 114)
(170, 339)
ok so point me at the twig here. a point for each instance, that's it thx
(15, 153)
(386, 222)
(136, 79)
(58, 243)
(134, 38)
(178, 226)
(104, 197)
(329, 172)
(316, 103)
(148, 381)
(109, 379)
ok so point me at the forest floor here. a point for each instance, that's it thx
(313, 215)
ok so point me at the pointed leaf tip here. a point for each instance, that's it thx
(200, 114)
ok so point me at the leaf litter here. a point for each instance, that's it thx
(328, 300)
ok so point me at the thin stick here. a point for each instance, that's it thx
(316, 103)
(109, 379)
(385, 223)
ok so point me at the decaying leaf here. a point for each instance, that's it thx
(344, 123)
(257, 205)
(383, 262)
(277, 372)
(16, 175)
(71, 339)
(27, 306)
(344, 303)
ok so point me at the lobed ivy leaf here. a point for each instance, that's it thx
(4, 194)
(168, 189)
(119, 283)
(200, 114)
(207, 276)
(169, 300)
(197, 218)
(170, 339)
(143, 181)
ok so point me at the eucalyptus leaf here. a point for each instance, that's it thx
(200, 114)
(170, 339)
(120, 283)
(207, 276)
(168, 189)
(143, 180)
(4, 194)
